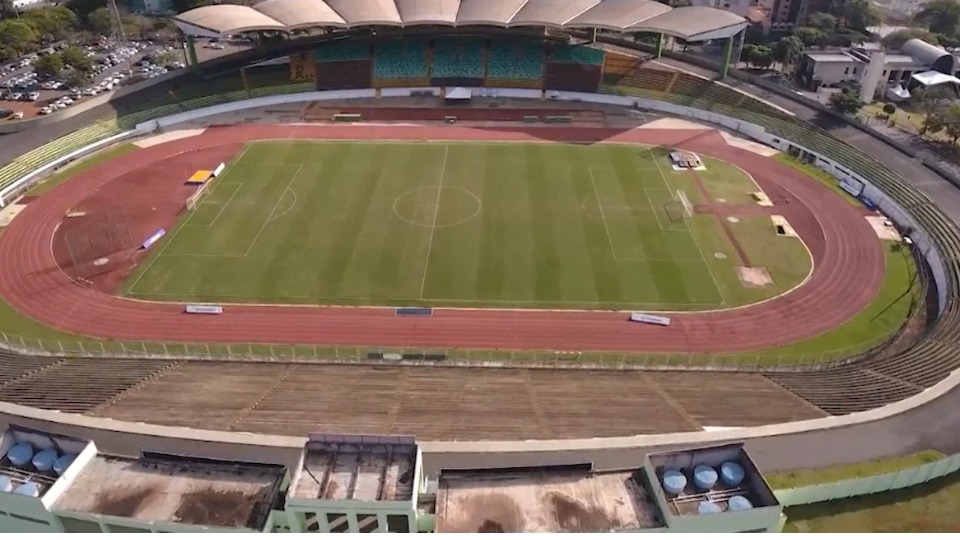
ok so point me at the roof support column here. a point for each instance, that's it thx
(659, 51)
(191, 46)
(727, 51)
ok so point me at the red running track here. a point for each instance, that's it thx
(849, 267)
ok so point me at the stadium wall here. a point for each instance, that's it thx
(131, 438)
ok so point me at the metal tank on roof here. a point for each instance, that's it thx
(936, 57)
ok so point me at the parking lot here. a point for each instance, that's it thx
(24, 93)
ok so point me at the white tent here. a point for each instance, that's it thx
(898, 93)
(458, 94)
(934, 78)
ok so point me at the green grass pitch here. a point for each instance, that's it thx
(495, 225)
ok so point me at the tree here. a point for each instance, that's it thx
(75, 78)
(51, 23)
(18, 35)
(889, 108)
(76, 58)
(824, 22)
(787, 50)
(951, 121)
(50, 65)
(7, 9)
(940, 16)
(100, 21)
(846, 101)
(859, 14)
(83, 8)
(758, 55)
(809, 36)
(896, 39)
(930, 101)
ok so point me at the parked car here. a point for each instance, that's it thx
(5, 113)
(17, 115)
(33, 96)
(46, 110)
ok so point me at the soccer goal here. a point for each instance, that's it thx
(685, 202)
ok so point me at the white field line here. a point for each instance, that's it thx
(603, 217)
(433, 224)
(274, 210)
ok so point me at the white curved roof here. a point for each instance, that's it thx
(301, 13)
(619, 15)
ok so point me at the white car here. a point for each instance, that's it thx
(46, 110)
(17, 115)
(33, 96)
(66, 101)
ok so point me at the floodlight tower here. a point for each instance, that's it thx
(119, 33)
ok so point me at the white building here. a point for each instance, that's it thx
(849, 66)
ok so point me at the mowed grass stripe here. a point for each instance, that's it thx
(515, 225)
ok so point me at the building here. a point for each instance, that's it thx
(849, 66)
(362, 483)
(578, 498)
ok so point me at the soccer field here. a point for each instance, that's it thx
(500, 225)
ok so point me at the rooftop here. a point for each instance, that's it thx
(542, 501)
(357, 468)
(692, 22)
(752, 487)
(833, 57)
(195, 492)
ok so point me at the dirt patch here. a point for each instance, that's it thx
(125, 504)
(218, 508)
(884, 228)
(10, 212)
(114, 220)
(575, 517)
(754, 276)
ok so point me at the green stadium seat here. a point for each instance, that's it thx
(515, 59)
(575, 54)
(400, 59)
(458, 57)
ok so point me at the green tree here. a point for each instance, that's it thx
(7, 9)
(889, 108)
(100, 21)
(50, 65)
(75, 78)
(940, 16)
(83, 8)
(808, 35)
(51, 23)
(824, 22)
(859, 14)
(930, 101)
(18, 35)
(846, 101)
(76, 58)
(951, 121)
(896, 39)
(788, 50)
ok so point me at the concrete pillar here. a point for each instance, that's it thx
(191, 52)
(727, 51)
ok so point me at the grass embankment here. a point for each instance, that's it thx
(930, 507)
(807, 477)
(79, 166)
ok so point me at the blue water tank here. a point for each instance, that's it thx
(29, 489)
(20, 454)
(6, 486)
(674, 481)
(43, 461)
(706, 508)
(63, 463)
(704, 476)
(739, 502)
(731, 474)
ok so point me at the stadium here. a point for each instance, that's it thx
(408, 266)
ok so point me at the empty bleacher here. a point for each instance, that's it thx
(517, 63)
(573, 68)
(343, 65)
(401, 62)
(458, 62)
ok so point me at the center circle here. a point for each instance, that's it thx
(437, 206)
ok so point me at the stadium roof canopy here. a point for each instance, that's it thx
(690, 23)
